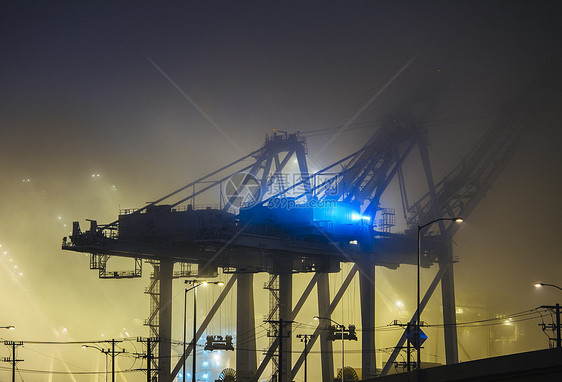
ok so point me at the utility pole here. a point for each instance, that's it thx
(556, 327)
(113, 354)
(304, 338)
(13, 360)
(409, 338)
(113, 360)
(149, 356)
(408, 347)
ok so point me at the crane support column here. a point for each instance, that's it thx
(165, 319)
(245, 328)
(285, 314)
(448, 280)
(323, 287)
(367, 290)
(449, 310)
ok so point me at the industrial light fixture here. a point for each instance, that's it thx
(538, 285)
(106, 352)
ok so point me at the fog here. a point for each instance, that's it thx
(110, 106)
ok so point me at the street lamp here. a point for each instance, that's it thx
(339, 326)
(196, 284)
(106, 352)
(538, 285)
(418, 313)
(11, 327)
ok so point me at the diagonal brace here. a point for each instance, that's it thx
(331, 309)
(203, 326)
(296, 311)
(423, 303)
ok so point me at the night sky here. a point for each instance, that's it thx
(95, 116)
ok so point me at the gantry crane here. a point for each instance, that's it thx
(253, 229)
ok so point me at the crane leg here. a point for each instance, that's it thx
(367, 288)
(245, 328)
(165, 319)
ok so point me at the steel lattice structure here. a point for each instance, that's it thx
(245, 240)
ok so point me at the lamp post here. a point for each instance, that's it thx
(104, 351)
(538, 285)
(195, 284)
(11, 327)
(417, 327)
(339, 326)
(557, 310)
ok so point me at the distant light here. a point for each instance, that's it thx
(316, 318)
(84, 346)
(354, 242)
(205, 376)
(399, 304)
(15, 267)
(460, 310)
(221, 283)
(59, 217)
(538, 285)
(204, 283)
(459, 220)
(296, 161)
(21, 273)
(205, 363)
(356, 217)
